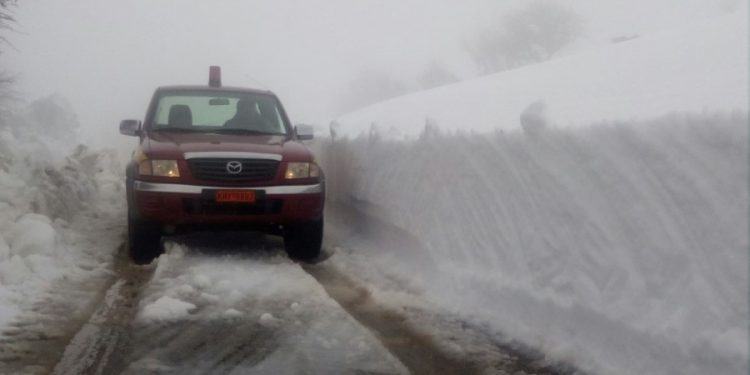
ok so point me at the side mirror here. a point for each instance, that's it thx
(304, 132)
(130, 127)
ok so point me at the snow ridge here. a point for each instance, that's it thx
(52, 199)
(621, 246)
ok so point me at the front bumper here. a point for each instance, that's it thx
(180, 204)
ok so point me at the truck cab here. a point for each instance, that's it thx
(221, 158)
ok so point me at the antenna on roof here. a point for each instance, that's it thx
(214, 76)
(259, 83)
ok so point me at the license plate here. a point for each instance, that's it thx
(235, 196)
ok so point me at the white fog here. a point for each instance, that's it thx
(391, 187)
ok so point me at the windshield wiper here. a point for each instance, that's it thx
(243, 131)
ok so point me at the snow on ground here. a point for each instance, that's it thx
(52, 200)
(703, 66)
(247, 311)
(168, 308)
(621, 247)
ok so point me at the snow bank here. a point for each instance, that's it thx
(45, 186)
(621, 246)
(701, 66)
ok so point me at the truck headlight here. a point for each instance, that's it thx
(301, 170)
(161, 168)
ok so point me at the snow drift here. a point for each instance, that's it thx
(701, 66)
(48, 191)
(621, 247)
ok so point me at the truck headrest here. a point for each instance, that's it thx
(180, 116)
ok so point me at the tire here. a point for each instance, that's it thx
(144, 241)
(304, 241)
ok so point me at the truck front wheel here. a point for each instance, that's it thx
(144, 241)
(303, 241)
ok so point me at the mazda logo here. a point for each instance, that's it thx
(234, 167)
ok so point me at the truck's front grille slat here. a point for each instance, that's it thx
(255, 170)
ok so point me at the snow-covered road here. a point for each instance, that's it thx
(234, 303)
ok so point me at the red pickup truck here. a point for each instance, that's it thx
(221, 158)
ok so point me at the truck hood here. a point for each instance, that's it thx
(163, 145)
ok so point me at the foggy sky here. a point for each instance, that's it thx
(106, 57)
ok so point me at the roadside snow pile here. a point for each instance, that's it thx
(621, 246)
(703, 65)
(44, 186)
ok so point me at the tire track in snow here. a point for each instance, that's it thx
(416, 350)
(97, 346)
(35, 343)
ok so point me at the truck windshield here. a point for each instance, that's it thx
(218, 112)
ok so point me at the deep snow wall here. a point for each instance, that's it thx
(621, 247)
(60, 204)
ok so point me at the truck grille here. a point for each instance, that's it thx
(216, 169)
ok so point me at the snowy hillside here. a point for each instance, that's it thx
(702, 66)
(621, 248)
